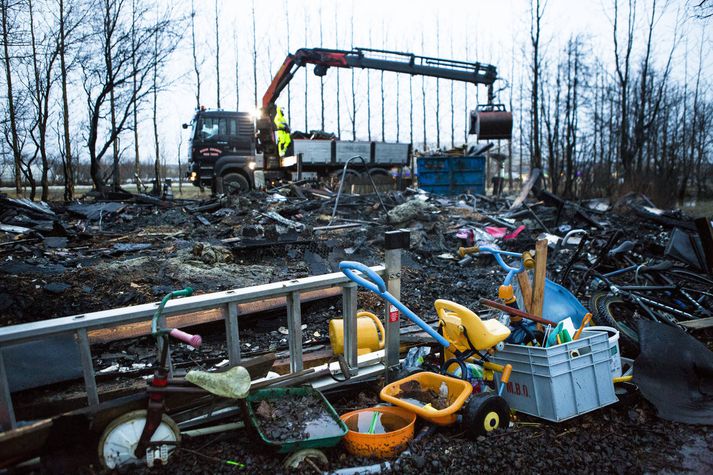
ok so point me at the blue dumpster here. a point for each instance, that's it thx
(446, 175)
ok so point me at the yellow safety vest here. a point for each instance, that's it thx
(283, 136)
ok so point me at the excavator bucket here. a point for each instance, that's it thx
(491, 122)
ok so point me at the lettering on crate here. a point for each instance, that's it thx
(517, 389)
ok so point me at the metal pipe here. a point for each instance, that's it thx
(213, 429)
(294, 327)
(349, 311)
(341, 185)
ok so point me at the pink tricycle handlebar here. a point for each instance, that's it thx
(193, 340)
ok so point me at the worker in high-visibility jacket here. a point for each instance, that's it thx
(284, 140)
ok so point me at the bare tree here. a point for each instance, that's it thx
(180, 170)
(398, 107)
(353, 115)
(287, 36)
(438, 85)
(306, 75)
(154, 90)
(550, 112)
(44, 57)
(108, 72)
(196, 63)
(111, 13)
(254, 56)
(573, 71)
(410, 100)
(321, 78)
(383, 112)
(65, 30)
(453, 109)
(368, 97)
(217, 54)
(237, 69)
(537, 11)
(633, 130)
(336, 45)
(466, 129)
(703, 9)
(135, 107)
(423, 100)
(5, 11)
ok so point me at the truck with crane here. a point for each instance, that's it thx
(234, 152)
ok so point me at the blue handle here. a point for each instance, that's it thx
(375, 283)
(497, 254)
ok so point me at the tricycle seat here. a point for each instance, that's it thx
(232, 384)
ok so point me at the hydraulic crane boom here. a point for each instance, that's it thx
(475, 73)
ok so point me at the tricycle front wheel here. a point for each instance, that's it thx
(485, 412)
(120, 438)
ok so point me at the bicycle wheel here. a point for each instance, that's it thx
(690, 296)
(613, 311)
(696, 291)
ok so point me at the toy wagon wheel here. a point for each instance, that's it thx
(306, 460)
(484, 413)
(121, 436)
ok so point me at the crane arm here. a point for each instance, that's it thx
(382, 60)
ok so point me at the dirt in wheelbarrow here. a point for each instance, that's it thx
(412, 391)
(292, 418)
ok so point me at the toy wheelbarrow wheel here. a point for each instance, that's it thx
(306, 460)
(485, 413)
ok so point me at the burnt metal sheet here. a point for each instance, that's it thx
(41, 362)
(95, 210)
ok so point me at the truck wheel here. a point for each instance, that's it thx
(382, 178)
(351, 178)
(232, 184)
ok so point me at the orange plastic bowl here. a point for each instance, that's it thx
(458, 390)
(382, 445)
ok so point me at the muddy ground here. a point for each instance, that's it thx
(624, 438)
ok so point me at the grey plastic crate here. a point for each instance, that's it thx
(559, 382)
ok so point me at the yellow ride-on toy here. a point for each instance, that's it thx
(465, 338)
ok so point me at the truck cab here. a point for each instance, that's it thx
(222, 151)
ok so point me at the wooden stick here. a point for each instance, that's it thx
(523, 279)
(514, 311)
(538, 291)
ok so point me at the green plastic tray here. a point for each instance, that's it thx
(298, 444)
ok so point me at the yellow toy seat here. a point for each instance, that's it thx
(456, 321)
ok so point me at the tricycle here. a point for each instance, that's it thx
(149, 436)
(465, 338)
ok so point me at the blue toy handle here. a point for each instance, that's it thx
(374, 282)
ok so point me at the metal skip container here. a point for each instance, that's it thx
(449, 175)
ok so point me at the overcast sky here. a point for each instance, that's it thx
(486, 31)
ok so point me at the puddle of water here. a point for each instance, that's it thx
(385, 422)
(413, 401)
(322, 427)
